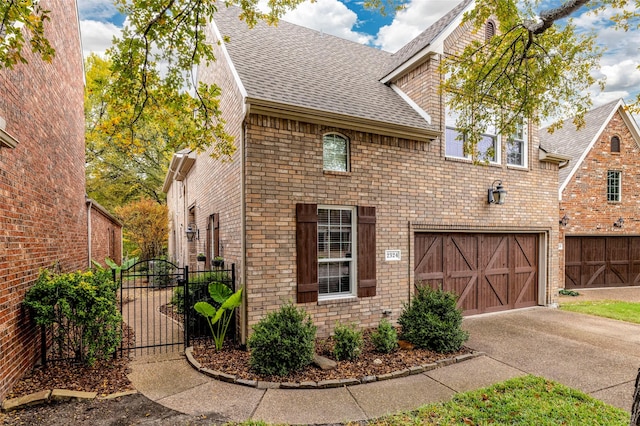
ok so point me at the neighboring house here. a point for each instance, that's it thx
(599, 198)
(105, 234)
(349, 186)
(43, 215)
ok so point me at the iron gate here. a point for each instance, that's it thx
(156, 302)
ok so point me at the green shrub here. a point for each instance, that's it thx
(282, 342)
(82, 308)
(348, 342)
(432, 321)
(220, 317)
(385, 337)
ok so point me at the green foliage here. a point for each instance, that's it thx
(525, 400)
(17, 19)
(565, 292)
(348, 342)
(385, 337)
(220, 317)
(199, 289)
(432, 321)
(83, 309)
(282, 342)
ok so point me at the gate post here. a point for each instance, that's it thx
(186, 304)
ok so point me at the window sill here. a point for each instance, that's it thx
(338, 300)
(335, 173)
(469, 161)
(516, 167)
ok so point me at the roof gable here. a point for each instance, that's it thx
(299, 69)
(576, 144)
(430, 40)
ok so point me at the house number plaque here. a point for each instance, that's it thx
(391, 255)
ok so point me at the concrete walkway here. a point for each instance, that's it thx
(598, 356)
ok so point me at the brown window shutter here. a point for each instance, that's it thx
(307, 252)
(366, 251)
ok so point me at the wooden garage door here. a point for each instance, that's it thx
(592, 262)
(489, 272)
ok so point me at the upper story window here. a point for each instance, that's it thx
(335, 153)
(614, 186)
(517, 146)
(489, 30)
(488, 148)
(615, 144)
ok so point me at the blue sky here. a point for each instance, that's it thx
(348, 19)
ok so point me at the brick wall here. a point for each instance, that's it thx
(106, 236)
(42, 208)
(584, 199)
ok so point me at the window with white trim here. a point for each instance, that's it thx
(614, 186)
(335, 153)
(517, 145)
(336, 251)
(488, 148)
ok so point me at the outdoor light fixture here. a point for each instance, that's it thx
(191, 231)
(496, 194)
(564, 220)
(618, 223)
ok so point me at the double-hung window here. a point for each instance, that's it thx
(336, 254)
(488, 148)
(517, 146)
(614, 185)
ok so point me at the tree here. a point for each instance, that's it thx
(146, 227)
(120, 169)
(533, 68)
(19, 21)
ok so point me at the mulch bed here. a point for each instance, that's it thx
(104, 377)
(235, 361)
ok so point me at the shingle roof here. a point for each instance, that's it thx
(297, 66)
(572, 142)
(426, 37)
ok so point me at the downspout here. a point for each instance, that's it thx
(244, 329)
(89, 202)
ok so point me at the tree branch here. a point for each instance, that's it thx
(548, 17)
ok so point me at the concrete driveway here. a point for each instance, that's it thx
(595, 355)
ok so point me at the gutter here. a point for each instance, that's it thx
(89, 202)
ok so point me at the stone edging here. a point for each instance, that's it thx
(46, 396)
(324, 384)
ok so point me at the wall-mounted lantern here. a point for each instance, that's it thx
(191, 232)
(496, 194)
(564, 220)
(618, 223)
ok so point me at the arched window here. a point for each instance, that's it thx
(615, 144)
(489, 30)
(335, 153)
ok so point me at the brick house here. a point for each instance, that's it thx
(349, 186)
(43, 213)
(599, 198)
(105, 234)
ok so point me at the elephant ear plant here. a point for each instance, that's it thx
(221, 317)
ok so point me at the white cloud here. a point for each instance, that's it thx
(408, 23)
(97, 10)
(329, 16)
(97, 36)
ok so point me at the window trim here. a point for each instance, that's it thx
(348, 152)
(353, 260)
(525, 147)
(618, 193)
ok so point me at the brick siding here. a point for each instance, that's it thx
(106, 237)
(42, 183)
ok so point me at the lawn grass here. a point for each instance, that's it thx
(525, 400)
(623, 311)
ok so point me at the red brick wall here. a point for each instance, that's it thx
(584, 199)
(42, 208)
(106, 237)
